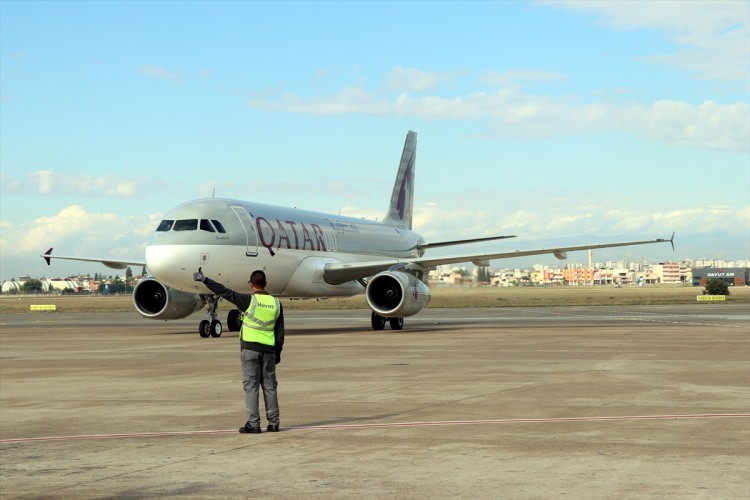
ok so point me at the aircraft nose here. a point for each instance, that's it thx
(164, 262)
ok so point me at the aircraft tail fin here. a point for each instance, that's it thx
(401, 207)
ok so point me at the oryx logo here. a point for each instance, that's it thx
(407, 185)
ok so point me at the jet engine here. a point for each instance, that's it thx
(156, 301)
(396, 294)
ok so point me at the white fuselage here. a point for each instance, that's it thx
(229, 239)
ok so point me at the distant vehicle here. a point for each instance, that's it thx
(305, 255)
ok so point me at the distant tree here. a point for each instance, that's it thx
(33, 286)
(483, 274)
(716, 286)
(129, 281)
(118, 286)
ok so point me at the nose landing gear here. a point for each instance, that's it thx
(211, 327)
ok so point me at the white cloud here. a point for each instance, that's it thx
(709, 125)
(558, 220)
(414, 80)
(158, 72)
(711, 36)
(44, 180)
(710, 40)
(514, 115)
(514, 77)
(74, 231)
(50, 183)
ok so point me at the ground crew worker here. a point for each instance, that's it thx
(261, 342)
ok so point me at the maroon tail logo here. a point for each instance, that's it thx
(407, 183)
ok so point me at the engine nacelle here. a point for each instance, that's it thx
(395, 294)
(156, 301)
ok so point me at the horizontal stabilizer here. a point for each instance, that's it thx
(111, 263)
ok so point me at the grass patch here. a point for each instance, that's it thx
(442, 296)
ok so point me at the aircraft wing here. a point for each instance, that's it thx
(338, 273)
(111, 263)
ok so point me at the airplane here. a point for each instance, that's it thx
(305, 255)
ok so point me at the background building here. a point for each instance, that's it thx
(734, 276)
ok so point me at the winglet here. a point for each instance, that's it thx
(401, 207)
(47, 255)
(671, 240)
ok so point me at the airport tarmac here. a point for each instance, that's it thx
(577, 402)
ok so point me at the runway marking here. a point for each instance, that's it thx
(698, 416)
(583, 312)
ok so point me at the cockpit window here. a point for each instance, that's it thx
(186, 225)
(165, 225)
(211, 226)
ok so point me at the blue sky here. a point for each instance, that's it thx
(553, 120)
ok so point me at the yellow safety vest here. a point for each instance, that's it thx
(260, 318)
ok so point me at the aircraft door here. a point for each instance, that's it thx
(248, 224)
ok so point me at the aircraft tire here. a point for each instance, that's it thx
(377, 321)
(204, 328)
(397, 323)
(216, 328)
(234, 320)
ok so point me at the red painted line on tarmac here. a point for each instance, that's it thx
(390, 425)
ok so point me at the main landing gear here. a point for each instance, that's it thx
(378, 322)
(234, 320)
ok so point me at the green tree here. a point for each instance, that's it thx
(483, 274)
(129, 280)
(716, 286)
(32, 286)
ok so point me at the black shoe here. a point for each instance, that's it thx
(272, 428)
(248, 429)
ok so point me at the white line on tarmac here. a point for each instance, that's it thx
(391, 425)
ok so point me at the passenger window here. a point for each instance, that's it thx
(186, 225)
(218, 226)
(206, 226)
(165, 225)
